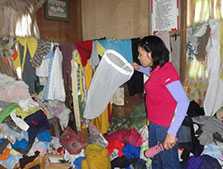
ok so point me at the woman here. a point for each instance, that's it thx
(166, 101)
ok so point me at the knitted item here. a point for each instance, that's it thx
(151, 152)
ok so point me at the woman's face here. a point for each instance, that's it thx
(145, 57)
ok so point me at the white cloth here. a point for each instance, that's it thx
(56, 89)
(19, 122)
(213, 98)
(111, 73)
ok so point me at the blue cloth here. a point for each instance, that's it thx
(44, 136)
(131, 151)
(167, 159)
(203, 162)
(124, 47)
(78, 162)
(21, 146)
(38, 122)
(10, 162)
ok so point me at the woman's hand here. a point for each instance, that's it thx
(169, 142)
(135, 66)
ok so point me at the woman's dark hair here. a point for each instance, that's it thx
(153, 44)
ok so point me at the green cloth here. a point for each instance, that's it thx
(4, 113)
(138, 116)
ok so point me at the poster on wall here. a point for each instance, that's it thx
(164, 15)
(57, 10)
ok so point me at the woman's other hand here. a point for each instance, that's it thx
(136, 66)
(169, 142)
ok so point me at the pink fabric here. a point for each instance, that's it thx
(151, 152)
(159, 101)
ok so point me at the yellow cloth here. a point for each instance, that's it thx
(84, 164)
(102, 122)
(81, 88)
(221, 49)
(100, 49)
(88, 74)
(97, 157)
(29, 43)
(28, 112)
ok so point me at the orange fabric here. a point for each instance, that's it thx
(5, 154)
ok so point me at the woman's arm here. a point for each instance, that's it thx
(145, 70)
(139, 68)
(177, 91)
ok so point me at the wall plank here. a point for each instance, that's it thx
(114, 18)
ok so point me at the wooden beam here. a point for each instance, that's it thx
(183, 37)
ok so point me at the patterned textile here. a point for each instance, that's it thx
(41, 52)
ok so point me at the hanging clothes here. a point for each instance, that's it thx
(28, 43)
(221, 48)
(213, 98)
(84, 48)
(67, 50)
(55, 87)
(124, 47)
(196, 75)
(75, 96)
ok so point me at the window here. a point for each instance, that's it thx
(24, 27)
(205, 9)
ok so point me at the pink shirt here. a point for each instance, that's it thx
(159, 101)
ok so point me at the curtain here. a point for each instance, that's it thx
(19, 13)
(205, 9)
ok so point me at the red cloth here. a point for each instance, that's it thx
(84, 48)
(159, 101)
(130, 136)
(72, 141)
(115, 145)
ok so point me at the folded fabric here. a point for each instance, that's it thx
(44, 136)
(131, 151)
(19, 122)
(3, 144)
(73, 142)
(78, 162)
(8, 110)
(21, 146)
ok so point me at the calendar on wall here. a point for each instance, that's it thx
(164, 15)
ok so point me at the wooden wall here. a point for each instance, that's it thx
(62, 31)
(118, 19)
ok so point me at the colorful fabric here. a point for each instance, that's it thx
(102, 122)
(97, 157)
(13, 107)
(124, 47)
(29, 43)
(131, 151)
(152, 151)
(84, 48)
(42, 50)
